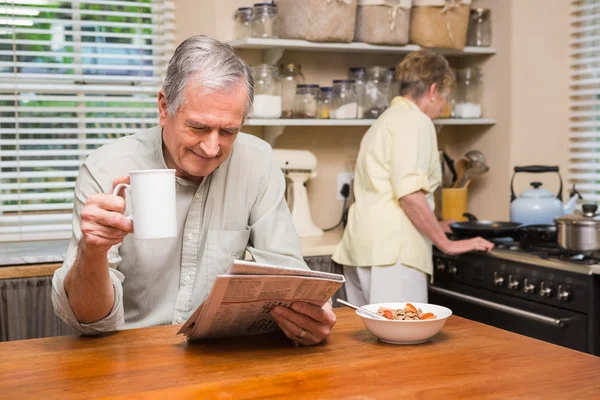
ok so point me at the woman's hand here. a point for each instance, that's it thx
(445, 225)
(305, 323)
(457, 247)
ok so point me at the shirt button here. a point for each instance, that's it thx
(197, 196)
(187, 278)
(179, 320)
(190, 236)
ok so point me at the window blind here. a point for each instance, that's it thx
(584, 146)
(74, 75)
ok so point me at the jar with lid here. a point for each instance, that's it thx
(359, 75)
(480, 28)
(306, 101)
(325, 98)
(267, 92)
(377, 92)
(468, 93)
(243, 18)
(344, 100)
(291, 76)
(265, 23)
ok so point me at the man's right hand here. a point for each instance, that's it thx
(457, 247)
(103, 224)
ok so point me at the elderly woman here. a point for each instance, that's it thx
(386, 248)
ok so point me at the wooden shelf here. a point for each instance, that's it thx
(277, 46)
(275, 127)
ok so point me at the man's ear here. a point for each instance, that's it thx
(162, 108)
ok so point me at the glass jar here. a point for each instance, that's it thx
(325, 98)
(291, 76)
(243, 18)
(469, 88)
(265, 23)
(306, 101)
(377, 92)
(267, 92)
(480, 28)
(359, 75)
(394, 84)
(344, 101)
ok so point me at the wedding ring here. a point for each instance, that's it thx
(302, 334)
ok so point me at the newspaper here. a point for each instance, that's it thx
(240, 301)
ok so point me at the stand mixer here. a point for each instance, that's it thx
(298, 167)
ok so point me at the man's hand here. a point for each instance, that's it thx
(103, 224)
(305, 323)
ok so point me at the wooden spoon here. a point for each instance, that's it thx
(461, 167)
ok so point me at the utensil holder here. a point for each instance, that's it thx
(454, 203)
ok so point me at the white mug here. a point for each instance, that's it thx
(152, 194)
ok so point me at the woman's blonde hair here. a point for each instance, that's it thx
(420, 69)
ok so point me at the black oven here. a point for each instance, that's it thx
(555, 305)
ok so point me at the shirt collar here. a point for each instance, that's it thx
(406, 102)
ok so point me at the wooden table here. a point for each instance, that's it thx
(465, 360)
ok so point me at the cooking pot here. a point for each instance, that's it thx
(542, 236)
(539, 206)
(580, 233)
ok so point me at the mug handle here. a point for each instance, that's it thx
(116, 193)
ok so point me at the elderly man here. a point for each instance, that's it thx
(230, 196)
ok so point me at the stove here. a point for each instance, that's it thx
(543, 292)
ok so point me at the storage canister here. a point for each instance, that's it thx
(440, 23)
(306, 101)
(344, 101)
(267, 92)
(317, 20)
(265, 22)
(325, 98)
(243, 19)
(291, 76)
(359, 76)
(383, 21)
(480, 28)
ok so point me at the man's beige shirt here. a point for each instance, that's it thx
(158, 282)
(398, 156)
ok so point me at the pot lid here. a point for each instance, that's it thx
(537, 192)
(587, 217)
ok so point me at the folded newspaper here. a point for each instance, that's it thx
(240, 301)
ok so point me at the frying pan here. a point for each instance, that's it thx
(486, 229)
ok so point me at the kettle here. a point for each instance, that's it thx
(539, 206)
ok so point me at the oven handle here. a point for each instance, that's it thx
(500, 307)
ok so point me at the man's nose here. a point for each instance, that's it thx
(211, 145)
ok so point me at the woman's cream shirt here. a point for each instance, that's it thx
(398, 156)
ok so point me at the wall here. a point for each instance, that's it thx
(525, 90)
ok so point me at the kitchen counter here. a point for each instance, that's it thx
(465, 360)
(26, 259)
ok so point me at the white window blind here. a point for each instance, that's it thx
(74, 75)
(584, 147)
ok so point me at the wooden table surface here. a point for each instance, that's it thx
(465, 360)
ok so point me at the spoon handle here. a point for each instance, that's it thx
(364, 310)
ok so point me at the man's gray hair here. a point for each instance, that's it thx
(211, 65)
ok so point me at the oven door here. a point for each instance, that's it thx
(540, 321)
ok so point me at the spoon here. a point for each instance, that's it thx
(475, 156)
(363, 310)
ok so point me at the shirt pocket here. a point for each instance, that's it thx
(230, 245)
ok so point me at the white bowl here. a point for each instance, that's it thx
(405, 332)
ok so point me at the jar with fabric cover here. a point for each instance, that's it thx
(306, 101)
(291, 76)
(469, 90)
(267, 92)
(480, 28)
(440, 24)
(383, 21)
(377, 90)
(344, 101)
(265, 22)
(243, 23)
(318, 20)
